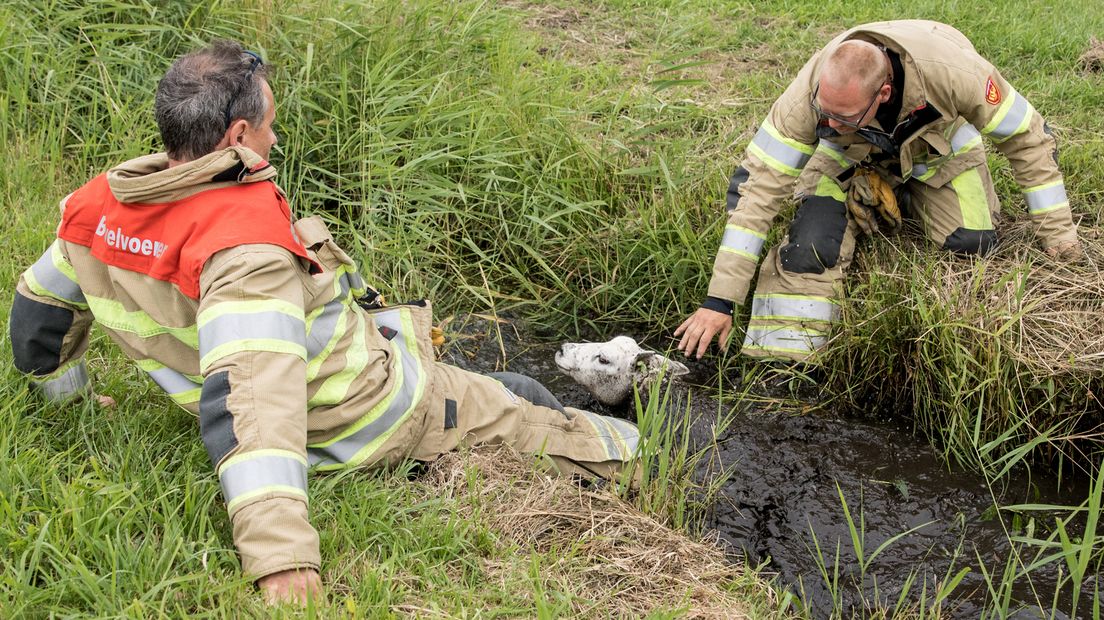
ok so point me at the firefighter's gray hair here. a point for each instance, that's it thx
(193, 96)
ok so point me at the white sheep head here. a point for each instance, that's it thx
(608, 370)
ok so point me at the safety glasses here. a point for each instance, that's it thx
(847, 121)
(254, 63)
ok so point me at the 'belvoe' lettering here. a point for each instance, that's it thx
(121, 241)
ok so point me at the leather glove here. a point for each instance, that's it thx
(436, 336)
(1070, 251)
(870, 194)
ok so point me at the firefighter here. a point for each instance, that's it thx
(886, 112)
(190, 261)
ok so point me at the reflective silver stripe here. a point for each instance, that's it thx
(742, 240)
(604, 433)
(322, 328)
(252, 325)
(963, 136)
(793, 307)
(354, 281)
(250, 475)
(172, 381)
(56, 282)
(1047, 198)
(61, 388)
(784, 338)
(1015, 117)
(919, 170)
(629, 432)
(779, 150)
(832, 145)
(345, 449)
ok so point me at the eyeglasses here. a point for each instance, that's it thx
(852, 122)
(254, 63)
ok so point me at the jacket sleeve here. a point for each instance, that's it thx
(995, 108)
(757, 190)
(49, 327)
(253, 405)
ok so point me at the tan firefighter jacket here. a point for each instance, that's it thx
(267, 336)
(952, 97)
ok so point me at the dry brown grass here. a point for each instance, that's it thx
(613, 560)
(1093, 58)
(1048, 313)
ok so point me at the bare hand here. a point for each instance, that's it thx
(1067, 251)
(298, 586)
(698, 331)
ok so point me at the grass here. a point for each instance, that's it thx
(564, 161)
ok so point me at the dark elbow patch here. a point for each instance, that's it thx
(732, 200)
(37, 331)
(966, 242)
(216, 425)
(816, 236)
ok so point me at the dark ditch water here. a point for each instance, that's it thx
(787, 473)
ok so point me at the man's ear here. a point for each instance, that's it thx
(236, 133)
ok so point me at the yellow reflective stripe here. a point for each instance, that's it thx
(61, 264)
(1046, 198)
(785, 306)
(784, 339)
(112, 314)
(972, 201)
(256, 345)
(742, 242)
(406, 334)
(251, 306)
(828, 187)
(826, 148)
(272, 488)
(51, 276)
(1012, 118)
(314, 365)
(364, 438)
(336, 386)
(256, 454)
(783, 154)
(965, 138)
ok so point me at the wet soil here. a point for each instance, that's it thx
(783, 495)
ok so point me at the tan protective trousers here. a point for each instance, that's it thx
(468, 409)
(793, 309)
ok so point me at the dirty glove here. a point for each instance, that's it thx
(870, 194)
(1070, 251)
(436, 336)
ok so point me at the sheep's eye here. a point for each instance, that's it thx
(602, 359)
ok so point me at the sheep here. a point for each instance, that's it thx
(609, 370)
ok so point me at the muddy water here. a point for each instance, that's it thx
(787, 473)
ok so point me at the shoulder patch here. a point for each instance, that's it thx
(992, 93)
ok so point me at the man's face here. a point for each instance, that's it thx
(261, 138)
(848, 107)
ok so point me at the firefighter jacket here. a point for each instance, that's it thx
(951, 98)
(198, 274)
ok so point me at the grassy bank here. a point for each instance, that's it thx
(564, 161)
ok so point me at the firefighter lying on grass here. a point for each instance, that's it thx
(190, 261)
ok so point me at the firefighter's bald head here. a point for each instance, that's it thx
(859, 62)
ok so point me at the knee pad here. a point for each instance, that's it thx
(966, 242)
(816, 236)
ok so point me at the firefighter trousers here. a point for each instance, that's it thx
(469, 409)
(797, 297)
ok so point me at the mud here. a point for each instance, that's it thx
(787, 473)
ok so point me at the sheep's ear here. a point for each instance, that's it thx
(650, 364)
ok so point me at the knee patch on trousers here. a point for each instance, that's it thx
(965, 241)
(816, 236)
